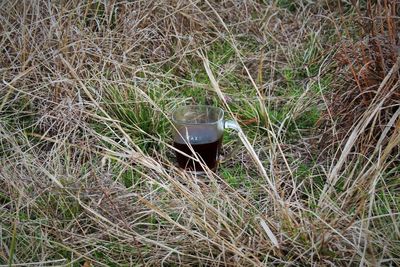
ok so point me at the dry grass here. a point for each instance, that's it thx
(87, 173)
(369, 67)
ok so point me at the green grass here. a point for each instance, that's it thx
(235, 176)
(290, 5)
(139, 118)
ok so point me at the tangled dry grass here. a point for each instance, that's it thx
(373, 61)
(87, 174)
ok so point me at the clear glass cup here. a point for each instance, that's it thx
(198, 134)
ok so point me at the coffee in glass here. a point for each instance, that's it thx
(198, 136)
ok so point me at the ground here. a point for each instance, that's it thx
(88, 176)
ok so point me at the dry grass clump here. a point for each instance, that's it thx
(368, 69)
(87, 173)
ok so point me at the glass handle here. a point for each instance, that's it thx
(232, 125)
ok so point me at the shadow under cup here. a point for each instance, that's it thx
(198, 136)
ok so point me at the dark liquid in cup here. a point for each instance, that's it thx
(205, 149)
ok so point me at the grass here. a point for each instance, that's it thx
(87, 172)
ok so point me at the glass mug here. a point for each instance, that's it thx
(199, 129)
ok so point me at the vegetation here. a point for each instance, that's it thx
(87, 171)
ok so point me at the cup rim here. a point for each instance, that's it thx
(175, 120)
